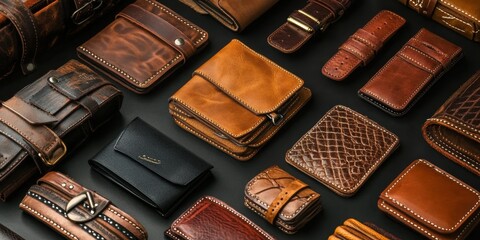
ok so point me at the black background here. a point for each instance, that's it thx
(230, 176)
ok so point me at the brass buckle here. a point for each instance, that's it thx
(94, 209)
(75, 14)
(300, 24)
(52, 162)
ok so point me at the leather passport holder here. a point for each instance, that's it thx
(355, 230)
(238, 100)
(210, 218)
(410, 73)
(281, 199)
(7, 234)
(432, 202)
(77, 212)
(145, 44)
(342, 150)
(454, 129)
(151, 166)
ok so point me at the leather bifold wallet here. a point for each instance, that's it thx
(355, 230)
(77, 212)
(410, 73)
(454, 129)
(432, 202)
(151, 166)
(238, 100)
(145, 44)
(210, 218)
(282, 200)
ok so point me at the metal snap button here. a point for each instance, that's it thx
(179, 41)
(30, 67)
(53, 80)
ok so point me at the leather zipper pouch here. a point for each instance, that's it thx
(355, 230)
(410, 73)
(151, 166)
(210, 218)
(77, 212)
(238, 100)
(432, 202)
(454, 129)
(144, 45)
(282, 200)
(7, 234)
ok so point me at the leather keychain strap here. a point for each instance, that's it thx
(283, 198)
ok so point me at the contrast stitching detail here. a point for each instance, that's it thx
(458, 9)
(129, 221)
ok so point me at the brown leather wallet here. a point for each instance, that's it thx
(410, 73)
(238, 100)
(77, 212)
(342, 150)
(282, 199)
(363, 45)
(302, 24)
(454, 130)
(355, 230)
(432, 202)
(144, 45)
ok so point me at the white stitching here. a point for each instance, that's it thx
(129, 221)
(463, 11)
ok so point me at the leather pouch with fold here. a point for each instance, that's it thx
(432, 202)
(145, 44)
(151, 166)
(282, 199)
(7, 234)
(77, 212)
(355, 230)
(238, 100)
(454, 130)
(49, 118)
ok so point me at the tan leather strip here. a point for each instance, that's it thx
(282, 198)
(28, 112)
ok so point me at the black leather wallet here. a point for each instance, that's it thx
(151, 166)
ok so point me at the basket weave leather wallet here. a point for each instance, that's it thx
(210, 218)
(7, 234)
(282, 200)
(355, 230)
(49, 118)
(77, 212)
(432, 202)
(238, 100)
(145, 44)
(151, 166)
(454, 130)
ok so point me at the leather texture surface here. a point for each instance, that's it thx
(342, 150)
(432, 202)
(7, 234)
(352, 229)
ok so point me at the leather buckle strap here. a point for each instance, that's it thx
(85, 10)
(283, 198)
(94, 208)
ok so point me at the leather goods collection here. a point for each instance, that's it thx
(7, 234)
(353, 229)
(439, 206)
(77, 212)
(282, 199)
(302, 24)
(342, 150)
(210, 218)
(145, 44)
(462, 16)
(454, 130)
(159, 171)
(410, 73)
(363, 45)
(49, 118)
(255, 112)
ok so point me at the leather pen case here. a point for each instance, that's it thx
(7, 234)
(151, 166)
(454, 129)
(77, 212)
(282, 200)
(238, 100)
(342, 150)
(355, 230)
(432, 202)
(47, 119)
(144, 45)
(410, 73)
(210, 218)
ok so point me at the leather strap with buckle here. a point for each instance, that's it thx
(87, 200)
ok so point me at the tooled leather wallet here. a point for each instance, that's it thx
(432, 202)
(151, 166)
(77, 212)
(342, 150)
(145, 44)
(282, 199)
(354, 229)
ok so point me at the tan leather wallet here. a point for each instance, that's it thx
(352, 229)
(238, 100)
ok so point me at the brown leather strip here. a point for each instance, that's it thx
(283, 197)
(28, 112)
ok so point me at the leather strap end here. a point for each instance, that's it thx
(283, 198)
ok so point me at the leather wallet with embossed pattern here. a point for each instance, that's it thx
(353, 229)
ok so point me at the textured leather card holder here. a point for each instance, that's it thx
(410, 73)
(282, 199)
(151, 166)
(342, 150)
(432, 202)
(210, 218)
(145, 44)
(355, 230)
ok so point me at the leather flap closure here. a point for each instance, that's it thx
(158, 153)
(249, 78)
